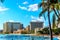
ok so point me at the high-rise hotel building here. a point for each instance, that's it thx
(12, 26)
(36, 24)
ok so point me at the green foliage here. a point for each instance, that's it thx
(31, 31)
(53, 21)
(24, 32)
(59, 30)
(45, 31)
(40, 32)
(56, 31)
(53, 1)
(6, 32)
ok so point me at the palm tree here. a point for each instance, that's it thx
(54, 21)
(49, 21)
(1, 1)
(58, 20)
(49, 7)
(52, 7)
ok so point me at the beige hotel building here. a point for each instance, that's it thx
(11, 26)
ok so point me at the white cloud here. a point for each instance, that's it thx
(3, 9)
(33, 17)
(32, 7)
(37, 19)
(13, 21)
(25, 2)
(33, 20)
(10, 20)
(24, 8)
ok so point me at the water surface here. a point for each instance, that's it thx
(24, 37)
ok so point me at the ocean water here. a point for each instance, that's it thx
(24, 37)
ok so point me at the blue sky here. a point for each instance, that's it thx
(23, 11)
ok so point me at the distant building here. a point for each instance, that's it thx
(1, 31)
(59, 25)
(20, 31)
(28, 28)
(36, 24)
(12, 26)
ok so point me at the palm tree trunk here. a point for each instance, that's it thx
(49, 22)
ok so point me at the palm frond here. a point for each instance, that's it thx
(53, 21)
(39, 5)
(55, 13)
(58, 12)
(57, 6)
(42, 12)
(58, 19)
(44, 16)
(1, 1)
(43, 4)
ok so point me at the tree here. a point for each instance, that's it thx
(59, 30)
(6, 33)
(54, 22)
(56, 31)
(49, 7)
(53, 1)
(58, 20)
(1, 1)
(45, 31)
(24, 32)
(32, 31)
(40, 31)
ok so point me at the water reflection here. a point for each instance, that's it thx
(23, 37)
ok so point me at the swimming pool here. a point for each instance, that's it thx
(24, 37)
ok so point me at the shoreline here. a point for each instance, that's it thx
(40, 35)
(44, 35)
(33, 34)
